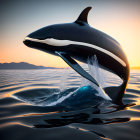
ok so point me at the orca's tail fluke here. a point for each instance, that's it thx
(116, 93)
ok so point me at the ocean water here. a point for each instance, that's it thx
(57, 104)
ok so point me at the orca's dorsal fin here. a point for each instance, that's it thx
(84, 15)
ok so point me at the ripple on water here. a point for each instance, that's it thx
(22, 92)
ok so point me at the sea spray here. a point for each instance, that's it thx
(87, 89)
(94, 70)
(63, 79)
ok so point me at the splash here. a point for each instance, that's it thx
(63, 79)
(94, 70)
(85, 95)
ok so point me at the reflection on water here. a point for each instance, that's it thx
(24, 97)
(83, 118)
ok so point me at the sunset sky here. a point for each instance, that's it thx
(118, 18)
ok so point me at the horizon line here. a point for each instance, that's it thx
(131, 67)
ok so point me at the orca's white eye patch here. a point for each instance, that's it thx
(55, 42)
(50, 41)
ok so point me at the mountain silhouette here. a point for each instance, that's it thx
(22, 65)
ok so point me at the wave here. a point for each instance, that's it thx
(72, 98)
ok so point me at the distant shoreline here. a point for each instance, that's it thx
(23, 66)
(34, 69)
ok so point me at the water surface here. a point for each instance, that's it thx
(29, 107)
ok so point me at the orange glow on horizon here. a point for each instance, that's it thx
(123, 25)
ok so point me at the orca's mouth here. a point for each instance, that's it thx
(37, 44)
(32, 44)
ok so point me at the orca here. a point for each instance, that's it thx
(78, 40)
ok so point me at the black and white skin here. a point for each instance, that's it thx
(78, 40)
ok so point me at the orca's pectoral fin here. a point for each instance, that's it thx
(72, 63)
